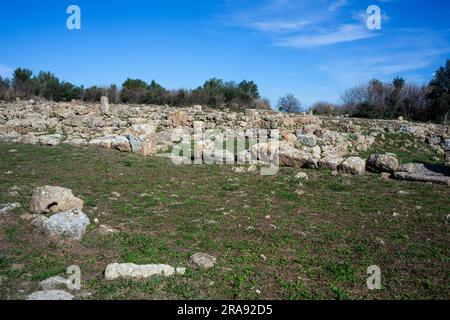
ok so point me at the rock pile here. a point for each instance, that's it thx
(69, 222)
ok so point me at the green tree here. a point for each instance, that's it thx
(48, 86)
(23, 84)
(157, 94)
(394, 103)
(94, 93)
(249, 89)
(439, 95)
(134, 91)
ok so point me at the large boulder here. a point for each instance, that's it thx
(291, 157)
(353, 166)
(382, 163)
(54, 199)
(69, 225)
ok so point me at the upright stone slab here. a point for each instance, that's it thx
(104, 105)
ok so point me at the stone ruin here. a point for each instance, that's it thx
(305, 140)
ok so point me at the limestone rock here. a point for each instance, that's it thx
(301, 176)
(382, 163)
(104, 105)
(53, 283)
(50, 295)
(50, 139)
(132, 271)
(121, 143)
(66, 225)
(424, 173)
(54, 199)
(331, 162)
(292, 157)
(353, 166)
(307, 140)
(203, 260)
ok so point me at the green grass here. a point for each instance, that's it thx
(316, 246)
(405, 147)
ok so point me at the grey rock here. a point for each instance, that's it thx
(382, 163)
(53, 283)
(71, 225)
(50, 295)
(353, 166)
(424, 173)
(121, 143)
(104, 105)
(447, 145)
(203, 260)
(307, 140)
(133, 271)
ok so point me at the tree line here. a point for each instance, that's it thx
(376, 99)
(215, 92)
(391, 100)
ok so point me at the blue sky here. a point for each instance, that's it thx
(314, 49)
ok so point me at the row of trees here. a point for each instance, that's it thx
(378, 99)
(214, 92)
(375, 99)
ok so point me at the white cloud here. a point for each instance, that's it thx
(281, 26)
(337, 5)
(345, 33)
(361, 67)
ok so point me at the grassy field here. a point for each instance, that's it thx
(270, 241)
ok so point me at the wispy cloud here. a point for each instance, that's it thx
(337, 5)
(302, 24)
(364, 65)
(281, 26)
(345, 33)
